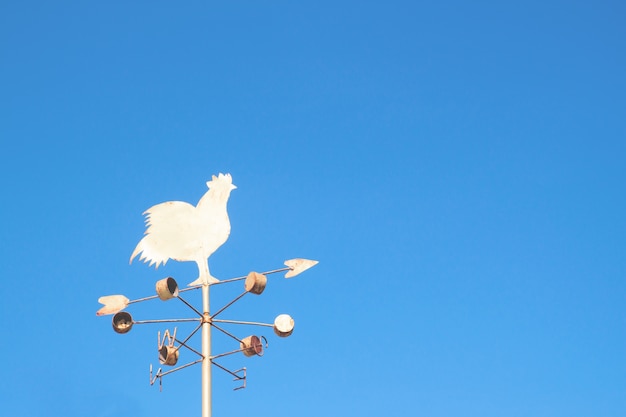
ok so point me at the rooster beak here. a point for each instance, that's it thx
(233, 187)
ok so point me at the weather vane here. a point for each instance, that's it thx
(183, 232)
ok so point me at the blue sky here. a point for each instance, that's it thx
(457, 168)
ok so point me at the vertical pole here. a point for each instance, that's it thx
(206, 353)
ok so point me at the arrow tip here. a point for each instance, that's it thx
(298, 265)
(112, 304)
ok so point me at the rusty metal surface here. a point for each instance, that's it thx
(255, 283)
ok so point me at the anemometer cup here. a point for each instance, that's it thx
(255, 283)
(167, 288)
(251, 346)
(283, 325)
(122, 322)
(168, 355)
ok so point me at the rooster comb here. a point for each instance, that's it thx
(221, 179)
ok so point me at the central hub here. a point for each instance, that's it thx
(206, 318)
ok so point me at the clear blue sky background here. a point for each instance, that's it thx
(458, 168)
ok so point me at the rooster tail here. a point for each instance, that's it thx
(147, 255)
(136, 252)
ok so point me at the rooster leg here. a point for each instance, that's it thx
(205, 276)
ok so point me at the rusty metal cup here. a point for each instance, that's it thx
(251, 346)
(168, 355)
(122, 322)
(167, 288)
(255, 283)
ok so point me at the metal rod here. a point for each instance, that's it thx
(188, 347)
(189, 337)
(152, 297)
(249, 323)
(142, 299)
(206, 353)
(190, 306)
(230, 304)
(238, 377)
(164, 321)
(277, 270)
(226, 333)
(162, 374)
(230, 280)
(227, 353)
(244, 277)
(189, 289)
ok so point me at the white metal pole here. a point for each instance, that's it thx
(206, 352)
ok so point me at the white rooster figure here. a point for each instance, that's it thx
(178, 230)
